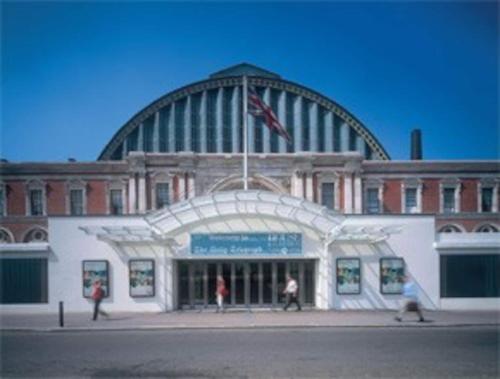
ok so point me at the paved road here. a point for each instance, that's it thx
(286, 352)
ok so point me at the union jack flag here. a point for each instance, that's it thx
(257, 108)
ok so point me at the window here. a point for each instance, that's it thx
(487, 228)
(36, 202)
(179, 118)
(449, 200)
(449, 195)
(227, 142)
(6, 236)
(148, 134)
(450, 229)
(470, 275)
(23, 281)
(76, 202)
(372, 201)
(36, 235)
(162, 198)
(328, 195)
(116, 202)
(487, 199)
(411, 195)
(411, 200)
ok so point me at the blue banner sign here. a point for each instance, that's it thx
(234, 244)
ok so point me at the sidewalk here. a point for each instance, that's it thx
(208, 319)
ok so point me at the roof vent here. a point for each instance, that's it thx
(416, 144)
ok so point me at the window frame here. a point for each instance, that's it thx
(483, 184)
(76, 185)
(326, 178)
(456, 186)
(161, 177)
(36, 185)
(414, 185)
(118, 185)
(373, 186)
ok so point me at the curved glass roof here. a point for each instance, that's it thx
(206, 117)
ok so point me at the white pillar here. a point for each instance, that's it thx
(171, 128)
(266, 133)
(140, 138)
(142, 193)
(324, 279)
(309, 187)
(419, 198)
(357, 194)
(190, 185)
(156, 133)
(495, 199)
(344, 137)
(203, 122)
(124, 148)
(348, 192)
(329, 132)
(131, 195)
(298, 181)
(168, 279)
(235, 120)
(219, 112)
(297, 123)
(313, 127)
(181, 180)
(187, 124)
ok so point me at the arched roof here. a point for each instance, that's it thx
(164, 224)
(200, 209)
(232, 78)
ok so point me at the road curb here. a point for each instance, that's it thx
(246, 327)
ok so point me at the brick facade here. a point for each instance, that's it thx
(56, 198)
(430, 196)
(392, 196)
(16, 198)
(96, 197)
(468, 198)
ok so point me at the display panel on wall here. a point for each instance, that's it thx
(141, 277)
(93, 271)
(392, 273)
(348, 276)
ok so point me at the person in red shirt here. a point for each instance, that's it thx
(97, 296)
(220, 292)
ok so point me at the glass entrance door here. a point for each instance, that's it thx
(250, 283)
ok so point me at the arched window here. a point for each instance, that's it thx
(487, 228)
(450, 229)
(6, 236)
(36, 235)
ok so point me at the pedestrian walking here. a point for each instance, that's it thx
(97, 296)
(292, 293)
(220, 293)
(412, 304)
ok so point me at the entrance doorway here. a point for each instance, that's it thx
(251, 283)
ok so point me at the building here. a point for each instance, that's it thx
(162, 212)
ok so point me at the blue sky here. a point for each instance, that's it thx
(74, 73)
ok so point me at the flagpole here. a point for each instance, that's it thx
(245, 133)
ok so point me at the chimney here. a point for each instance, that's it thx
(416, 144)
